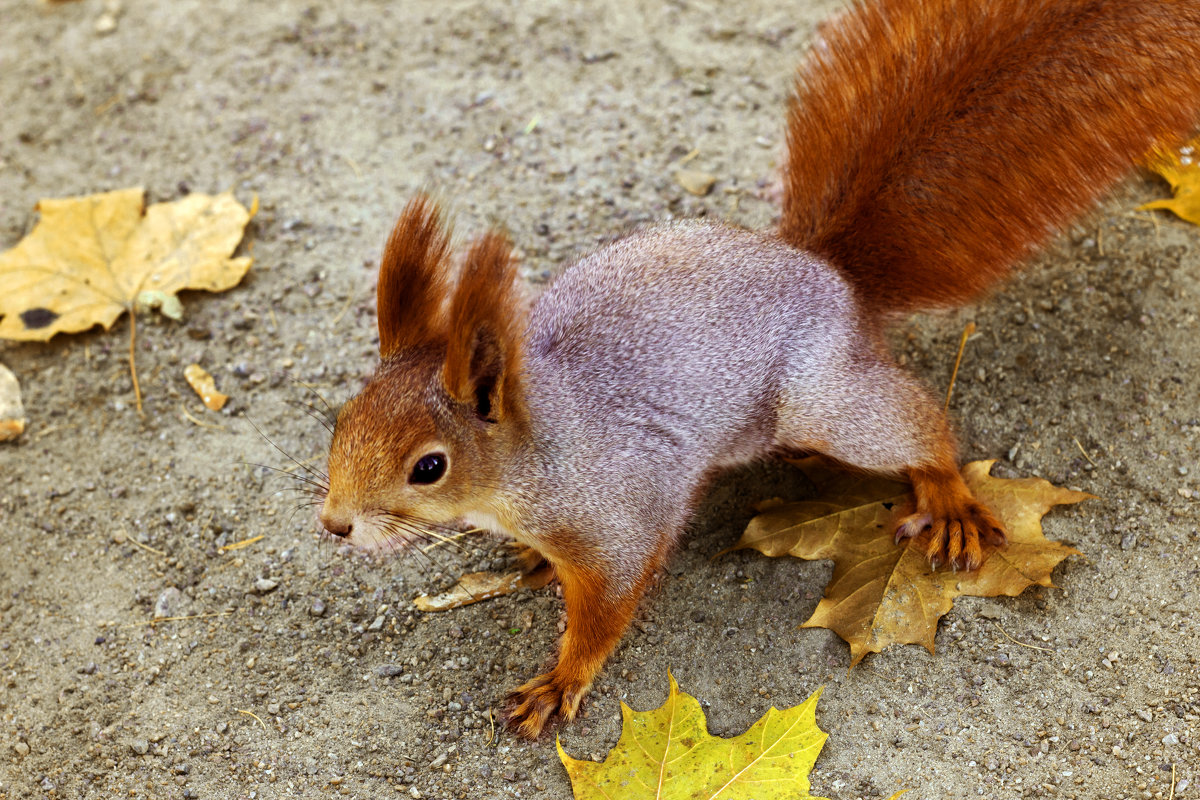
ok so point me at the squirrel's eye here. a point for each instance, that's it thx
(429, 469)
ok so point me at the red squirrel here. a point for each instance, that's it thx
(933, 145)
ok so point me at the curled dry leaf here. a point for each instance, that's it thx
(668, 754)
(203, 384)
(1184, 178)
(476, 586)
(12, 413)
(883, 593)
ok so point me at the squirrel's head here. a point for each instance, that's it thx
(427, 440)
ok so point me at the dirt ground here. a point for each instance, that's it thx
(308, 673)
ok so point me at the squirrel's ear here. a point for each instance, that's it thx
(410, 299)
(487, 321)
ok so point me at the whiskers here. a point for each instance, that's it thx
(407, 534)
(305, 479)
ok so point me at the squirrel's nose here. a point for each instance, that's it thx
(338, 524)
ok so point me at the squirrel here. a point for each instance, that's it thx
(933, 146)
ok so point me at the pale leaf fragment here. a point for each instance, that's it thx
(202, 383)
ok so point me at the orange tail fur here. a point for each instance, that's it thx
(934, 144)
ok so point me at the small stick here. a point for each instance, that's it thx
(492, 732)
(1085, 455)
(353, 166)
(176, 619)
(962, 345)
(1172, 797)
(345, 308)
(1022, 644)
(239, 545)
(252, 714)
(145, 547)
(198, 422)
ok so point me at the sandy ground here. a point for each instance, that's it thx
(563, 123)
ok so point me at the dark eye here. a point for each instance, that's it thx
(429, 469)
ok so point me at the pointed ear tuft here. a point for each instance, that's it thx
(487, 321)
(412, 279)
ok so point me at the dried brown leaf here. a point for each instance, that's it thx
(882, 593)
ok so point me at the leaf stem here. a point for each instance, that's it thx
(137, 389)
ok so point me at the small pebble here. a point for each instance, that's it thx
(696, 182)
(317, 609)
(21, 748)
(139, 746)
(1145, 715)
(168, 603)
(389, 670)
(265, 586)
(1170, 739)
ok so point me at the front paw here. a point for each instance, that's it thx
(530, 707)
(956, 534)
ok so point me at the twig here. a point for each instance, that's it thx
(145, 622)
(353, 166)
(1172, 797)
(1022, 644)
(345, 308)
(252, 714)
(145, 547)
(137, 390)
(200, 422)
(239, 545)
(492, 732)
(49, 430)
(1085, 455)
(962, 345)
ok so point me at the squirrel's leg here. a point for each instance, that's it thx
(883, 420)
(599, 609)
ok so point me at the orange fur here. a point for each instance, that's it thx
(487, 320)
(412, 279)
(933, 144)
(597, 615)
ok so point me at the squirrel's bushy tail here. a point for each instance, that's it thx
(934, 144)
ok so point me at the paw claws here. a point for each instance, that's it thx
(956, 536)
(533, 704)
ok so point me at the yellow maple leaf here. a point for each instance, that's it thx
(883, 593)
(668, 754)
(1184, 179)
(91, 258)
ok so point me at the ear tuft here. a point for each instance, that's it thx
(487, 321)
(412, 279)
